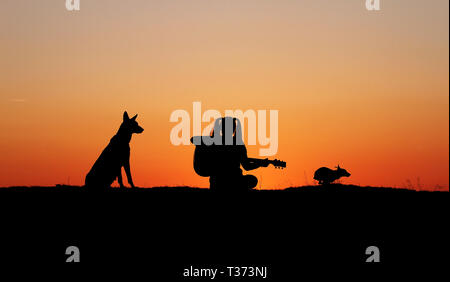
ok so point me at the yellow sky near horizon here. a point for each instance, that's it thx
(367, 90)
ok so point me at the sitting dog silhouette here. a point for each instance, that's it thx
(116, 155)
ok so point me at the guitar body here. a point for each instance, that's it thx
(203, 160)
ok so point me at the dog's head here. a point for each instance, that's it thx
(131, 124)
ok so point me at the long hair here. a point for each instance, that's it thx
(230, 129)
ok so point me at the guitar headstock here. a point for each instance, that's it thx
(278, 164)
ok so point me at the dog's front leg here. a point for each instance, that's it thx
(119, 178)
(128, 172)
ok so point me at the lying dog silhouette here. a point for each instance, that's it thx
(116, 155)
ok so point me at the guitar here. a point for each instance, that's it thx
(204, 158)
(276, 163)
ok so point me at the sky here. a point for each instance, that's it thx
(368, 90)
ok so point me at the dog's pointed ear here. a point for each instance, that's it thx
(125, 116)
(134, 118)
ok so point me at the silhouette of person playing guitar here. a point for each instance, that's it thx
(222, 162)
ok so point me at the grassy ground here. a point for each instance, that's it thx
(319, 188)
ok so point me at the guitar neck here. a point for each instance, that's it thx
(276, 163)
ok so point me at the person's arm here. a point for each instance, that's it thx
(248, 164)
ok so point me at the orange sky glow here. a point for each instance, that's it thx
(368, 90)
